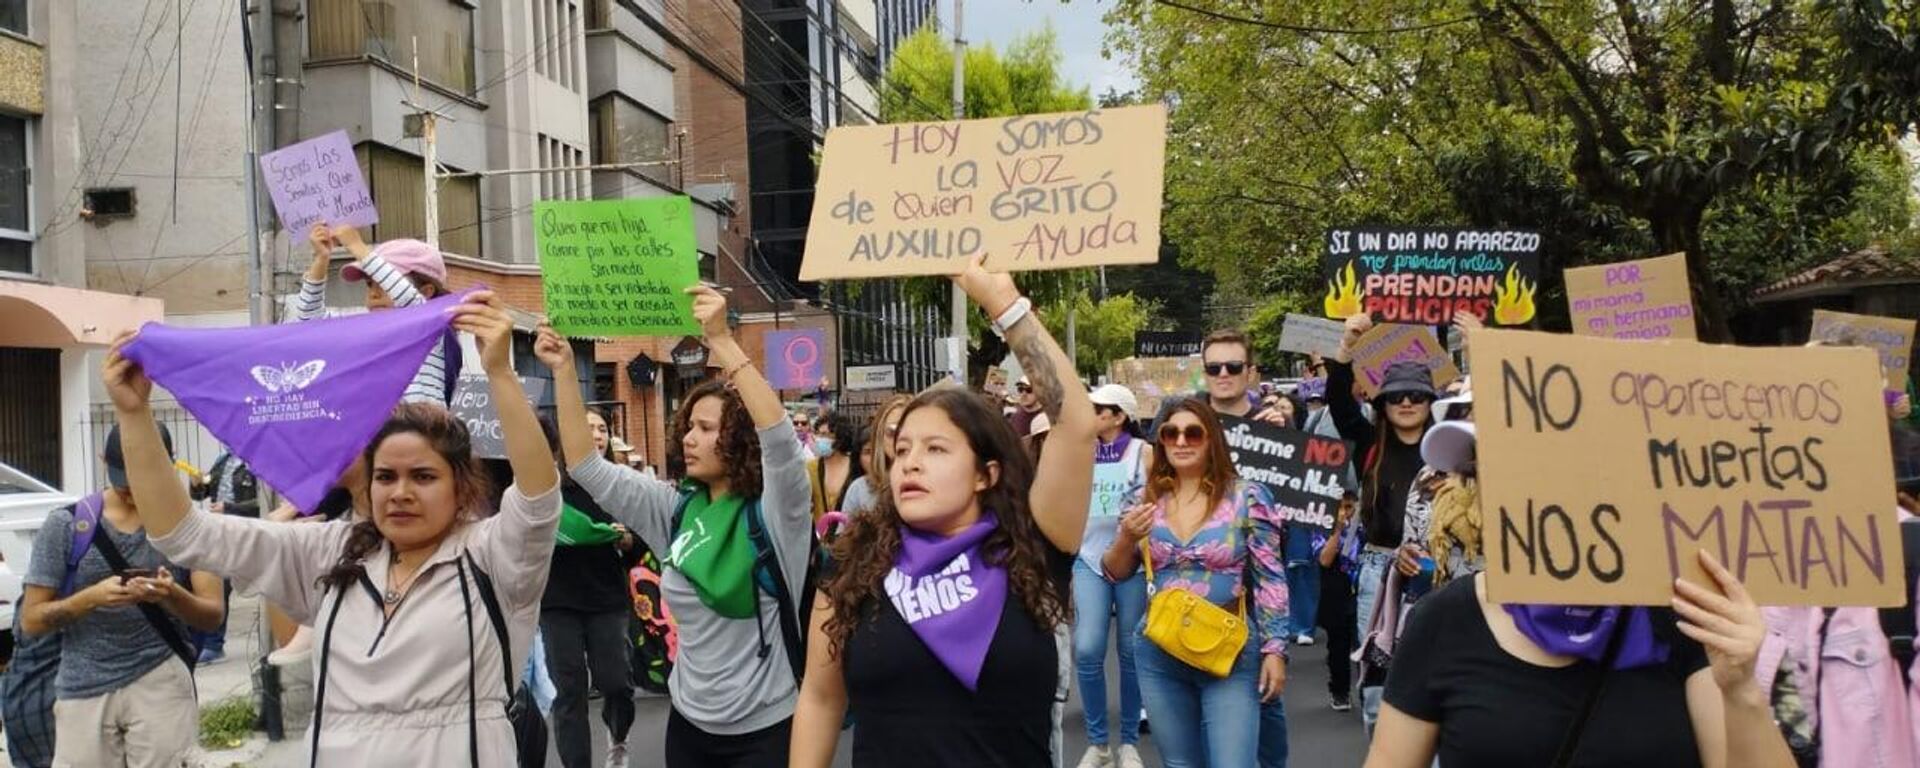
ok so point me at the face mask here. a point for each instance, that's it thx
(822, 446)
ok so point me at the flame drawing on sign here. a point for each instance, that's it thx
(1513, 300)
(1343, 295)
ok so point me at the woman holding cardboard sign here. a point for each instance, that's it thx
(1478, 683)
(1389, 459)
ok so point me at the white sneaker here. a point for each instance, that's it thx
(1129, 757)
(616, 756)
(1096, 757)
(1303, 640)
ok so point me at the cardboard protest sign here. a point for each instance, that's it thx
(1309, 335)
(1605, 467)
(618, 267)
(1302, 471)
(1424, 275)
(1389, 343)
(794, 358)
(1165, 344)
(1892, 337)
(317, 181)
(1152, 379)
(473, 405)
(1056, 191)
(1645, 299)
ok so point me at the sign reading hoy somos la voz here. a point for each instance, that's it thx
(1606, 465)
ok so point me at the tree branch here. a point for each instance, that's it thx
(1648, 73)
(1609, 131)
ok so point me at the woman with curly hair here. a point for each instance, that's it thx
(938, 628)
(1211, 533)
(410, 670)
(732, 685)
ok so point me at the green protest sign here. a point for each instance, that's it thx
(618, 267)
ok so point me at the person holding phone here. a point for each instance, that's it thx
(124, 693)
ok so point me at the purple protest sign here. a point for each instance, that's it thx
(794, 358)
(297, 402)
(317, 180)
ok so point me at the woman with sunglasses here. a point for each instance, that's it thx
(1389, 456)
(1212, 534)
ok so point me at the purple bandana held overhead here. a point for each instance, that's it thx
(1581, 631)
(949, 595)
(296, 402)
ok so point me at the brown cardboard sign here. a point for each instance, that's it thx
(1389, 343)
(1644, 299)
(1606, 466)
(1892, 337)
(1153, 379)
(1054, 191)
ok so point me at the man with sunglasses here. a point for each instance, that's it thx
(1226, 360)
(1026, 406)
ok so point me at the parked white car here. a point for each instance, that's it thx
(24, 504)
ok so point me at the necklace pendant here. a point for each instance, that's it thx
(393, 596)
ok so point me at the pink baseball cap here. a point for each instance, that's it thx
(410, 256)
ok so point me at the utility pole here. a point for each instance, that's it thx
(957, 366)
(256, 291)
(429, 155)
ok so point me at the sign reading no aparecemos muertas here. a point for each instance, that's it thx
(618, 267)
(1606, 466)
(1053, 191)
(1425, 275)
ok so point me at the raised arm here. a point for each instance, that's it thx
(533, 470)
(569, 410)
(1347, 418)
(312, 303)
(160, 498)
(1063, 480)
(641, 503)
(391, 280)
(763, 404)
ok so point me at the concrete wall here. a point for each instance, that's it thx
(135, 83)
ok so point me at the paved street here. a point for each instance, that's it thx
(1319, 737)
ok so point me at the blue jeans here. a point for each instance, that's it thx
(1373, 575)
(1303, 596)
(1202, 721)
(1095, 600)
(1273, 733)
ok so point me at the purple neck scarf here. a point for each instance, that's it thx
(949, 595)
(296, 402)
(1581, 631)
(1108, 453)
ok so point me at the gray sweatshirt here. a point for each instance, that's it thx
(720, 682)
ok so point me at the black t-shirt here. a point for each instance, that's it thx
(1496, 710)
(909, 710)
(589, 579)
(1387, 502)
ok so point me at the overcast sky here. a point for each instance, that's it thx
(1077, 23)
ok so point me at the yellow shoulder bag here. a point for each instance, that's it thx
(1189, 627)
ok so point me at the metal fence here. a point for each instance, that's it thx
(192, 442)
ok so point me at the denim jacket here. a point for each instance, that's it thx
(1863, 711)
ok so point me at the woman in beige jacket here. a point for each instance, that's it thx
(409, 671)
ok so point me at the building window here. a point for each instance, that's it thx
(113, 202)
(395, 179)
(13, 16)
(575, 184)
(16, 195)
(556, 31)
(625, 132)
(388, 30)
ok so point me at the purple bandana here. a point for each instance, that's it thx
(296, 402)
(1581, 631)
(951, 597)
(1108, 453)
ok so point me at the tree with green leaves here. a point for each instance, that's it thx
(1024, 79)
(1753, 136)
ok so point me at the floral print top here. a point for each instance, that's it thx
(1213, 563)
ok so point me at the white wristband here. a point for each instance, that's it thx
(1005, 321)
